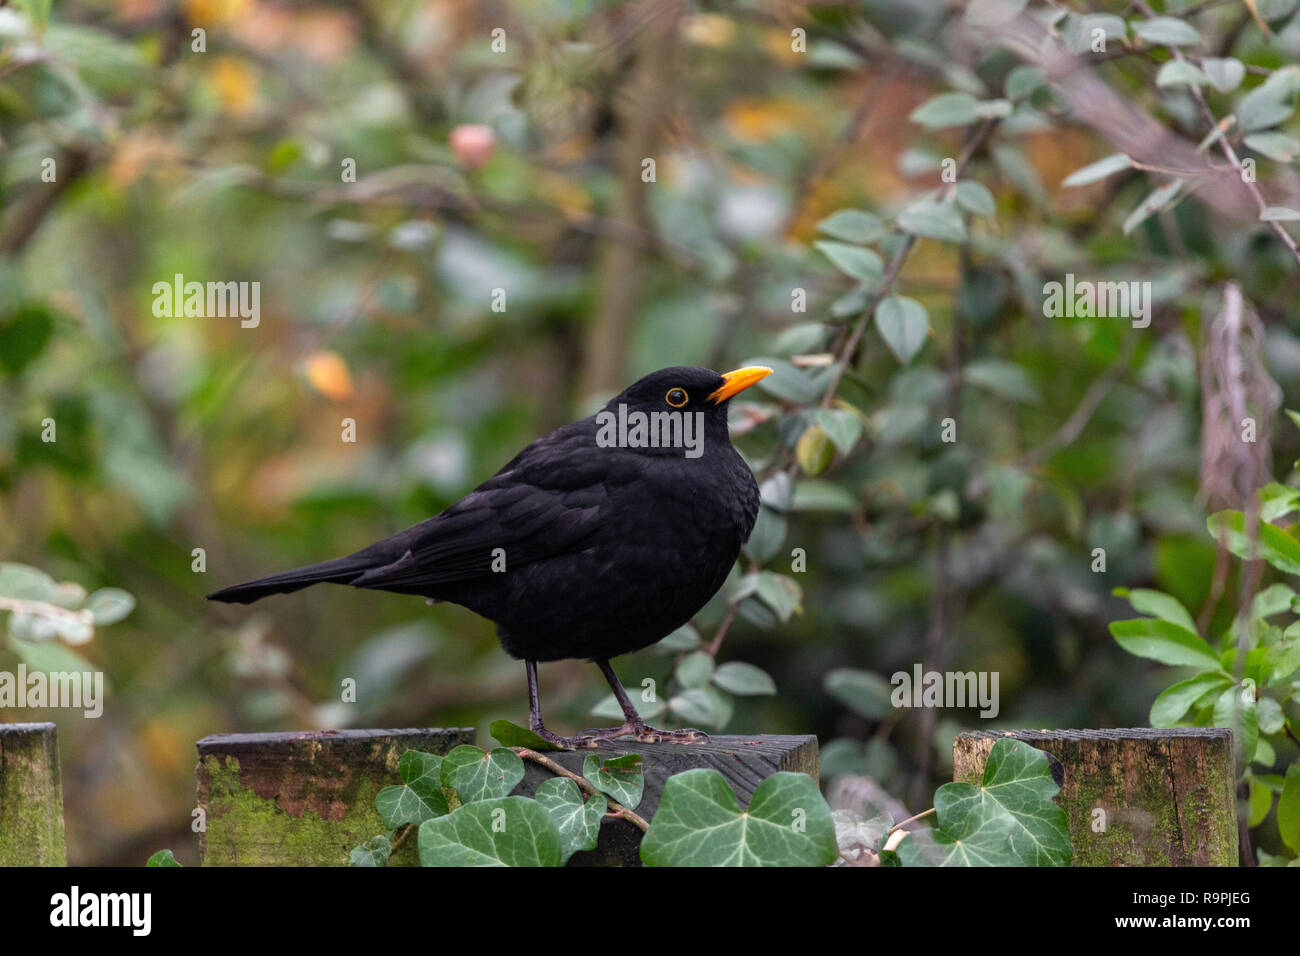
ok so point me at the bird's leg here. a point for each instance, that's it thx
(535, 717)
(634, 725)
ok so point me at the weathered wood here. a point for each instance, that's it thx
(1133, 796)
(31, 796)
(302, 799)
(744, 761)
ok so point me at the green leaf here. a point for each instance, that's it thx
(861, 691)
(946, 109)
(109, 605)
(975, 198)
(933, 220)
(853, 225)
(1281, 660)
(374, 853)
(1173, 702)
(685, 638)
(743, 679)
(904, 325)
(1006, 379)
(822, 496)
(1273, 545)
(768, 535)
(1167, 31)
(1023, 80)
(1164, 641)
(1161, 605)
(841, 426)
(512, 735)
(1277, 501)
(1288, 808)
(780, 592)
(814, 451)
(1180, 73)
(1225, 73)
(1157, 200)
(1102, 168)
(622, 777)
(1260, 800)
(1236, 708)
(26, 583)
(577, 823)
(862, 264)
(23, 336)
(505, 831)
(699, 823)
(1270, 717)
(992, 13)
(419, 797)
(1276, 146)
(695, 669)
(610, 707)
(786, 381)
(1008, 820)
(1266, 105)
(703, 705)
(477, 775)
(162, 858)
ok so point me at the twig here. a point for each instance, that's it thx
(583, 784)
(911, 819)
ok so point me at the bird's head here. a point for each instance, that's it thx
(683, 391)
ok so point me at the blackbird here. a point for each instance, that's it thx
(596, 540)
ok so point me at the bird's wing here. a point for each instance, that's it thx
(544, 503)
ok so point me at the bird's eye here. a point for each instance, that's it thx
(677, 397)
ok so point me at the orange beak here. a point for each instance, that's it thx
(738, 381)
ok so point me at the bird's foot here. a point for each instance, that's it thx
(646, 734)
(585, 741)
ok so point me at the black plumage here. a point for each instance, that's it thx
(576, 548)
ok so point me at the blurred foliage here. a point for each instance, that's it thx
(799, 214)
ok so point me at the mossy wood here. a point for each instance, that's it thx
(302, 799)
(31, 796)
(744, 761)
(1135, 796)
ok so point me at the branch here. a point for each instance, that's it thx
(584, 785)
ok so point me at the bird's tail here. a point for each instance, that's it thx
(338, 571)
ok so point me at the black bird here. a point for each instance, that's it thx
(595, 540)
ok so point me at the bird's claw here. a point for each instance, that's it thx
(645, 734)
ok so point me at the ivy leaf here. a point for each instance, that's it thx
(167, 858)
(505, 831)
(1008, 820)
(904, 325)
(1158, 199)
(1167, 31)
(1165, 642)
(419, 797)
(512, 735)
(478, 775)
(933, 220)
(577, 822)
(1102, 168)
(623, 777)
(699, 823)
(743, 679)
(853, 225)
(1168, 708)
(374, 853)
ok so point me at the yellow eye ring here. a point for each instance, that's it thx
(679, 394)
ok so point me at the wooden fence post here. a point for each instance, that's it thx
(302, 799)
(1136, 796)
(31, 796)
(744, 761)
